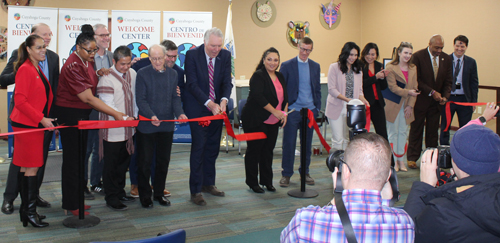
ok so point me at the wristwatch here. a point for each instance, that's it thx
(483, 120)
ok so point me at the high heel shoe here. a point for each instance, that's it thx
(270, 188)
(257, 189)
(75, 212)
(402, 166)
(396, 166)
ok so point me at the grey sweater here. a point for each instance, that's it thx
(156, 96)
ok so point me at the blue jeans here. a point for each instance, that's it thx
(293, 123)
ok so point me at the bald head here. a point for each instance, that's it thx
(368, 156)
(436, 45)
(42, 30)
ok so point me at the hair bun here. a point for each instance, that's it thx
(87, 29)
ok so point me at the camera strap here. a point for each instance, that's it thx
(344, 218)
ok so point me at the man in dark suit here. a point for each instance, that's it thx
(208, 87)
(434, 75)
(302, 77)
(464, 87)
(50, 68)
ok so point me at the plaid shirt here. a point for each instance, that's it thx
(371, 217)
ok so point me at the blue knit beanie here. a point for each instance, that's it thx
(475, 150)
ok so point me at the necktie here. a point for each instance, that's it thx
(435, 66)
(211, 79)
(455, 75)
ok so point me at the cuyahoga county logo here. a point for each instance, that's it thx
(171, 20)
(120, 20)
(67, 18)
(17, 16)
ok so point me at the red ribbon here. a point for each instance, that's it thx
(312, 123)
(134, 123)
(448, 112)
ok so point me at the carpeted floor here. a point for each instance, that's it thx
(240, 216)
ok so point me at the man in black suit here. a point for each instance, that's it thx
(464, 87)
(50, 68)
(434, 81)
(208, 87)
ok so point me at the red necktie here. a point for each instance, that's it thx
(211, 79)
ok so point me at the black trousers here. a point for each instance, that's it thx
(259, 155)
(377, 114)
(464, 114)
(427, 117)
(146, 143)
(11, 187)
(116, 161)
(70, 140)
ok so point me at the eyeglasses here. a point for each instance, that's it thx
(90, 51)
(155, 59)
(305, 50)
(343, 162)
(103, 35)
(173, 56)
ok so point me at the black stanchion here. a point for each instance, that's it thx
(81, 221)
(303, 192)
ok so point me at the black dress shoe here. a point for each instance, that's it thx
(147, 203)
(127, 199)
(40, 202)
(257, 189)
(117, 207)
(270, 188)
(7, 207)
(162, 200)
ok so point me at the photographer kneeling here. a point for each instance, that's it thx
(466, 210)
(365, 172)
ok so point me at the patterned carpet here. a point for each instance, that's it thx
(240, 216)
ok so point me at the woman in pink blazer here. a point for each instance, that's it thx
(345, 82)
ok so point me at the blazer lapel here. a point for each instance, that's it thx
(400, 75)
(428, 63)
(204, 66)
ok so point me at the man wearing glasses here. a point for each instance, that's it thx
(302, 77)
(102, 59)
(50, 68)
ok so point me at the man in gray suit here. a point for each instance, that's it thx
(464, 87)
(50, 68)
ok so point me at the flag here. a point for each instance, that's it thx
(229, 38)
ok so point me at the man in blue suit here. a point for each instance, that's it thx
(464, 87)
(302, 77)
(208, 87)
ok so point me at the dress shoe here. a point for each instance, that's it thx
(162, 200)
(402, 166)
(197, 199)
(285, 181)
(309, 180)
(88, 195)
(7, 207)
(166, 193)
(127, 199)
(134, 191)
(40, 202)
(212, 190)
(147, 203)
(270, 188)
(117, 207)
(257, 189)
(412, 164)
(75, 212)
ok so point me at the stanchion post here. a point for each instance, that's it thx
(303, 192)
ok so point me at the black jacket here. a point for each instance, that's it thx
(262, 92)
(368, 82)
(443, 215)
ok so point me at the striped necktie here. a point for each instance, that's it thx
(211, 79)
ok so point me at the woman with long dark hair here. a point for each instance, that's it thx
(344, 84)
(402, 81)
(75, 100)
(33, 98)
(373, 83)
(265, 111)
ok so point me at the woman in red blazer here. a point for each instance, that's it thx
(33, 97)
